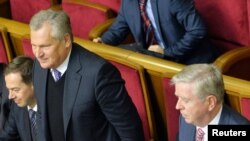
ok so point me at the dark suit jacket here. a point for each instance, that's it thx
(1, 77)
(4, 101)
(96, 106)
(179, 24)
(2, 118)
(17, 126)
(228, 117)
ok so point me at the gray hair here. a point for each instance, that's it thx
(59, 21)
(206, 78)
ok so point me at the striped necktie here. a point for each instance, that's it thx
(32, 116)
(57, 74)
(148, 28)
(199, 135)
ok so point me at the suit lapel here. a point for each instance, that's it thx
(187, 131)
(154, 4)
(137, 20)
(192, 132)
(26, 124)
(40, 83)
(71, 85)
(42, 91)
(190, 136)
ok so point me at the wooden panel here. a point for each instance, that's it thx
(16, 31)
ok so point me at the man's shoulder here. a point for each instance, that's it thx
(231, 116)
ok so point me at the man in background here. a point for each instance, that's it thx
(200, 92)
(172, 28)
(3, 99)
(19, 124)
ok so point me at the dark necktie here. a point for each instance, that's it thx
(199, 135)
(57, 74)
(148, 28)
(32, 116)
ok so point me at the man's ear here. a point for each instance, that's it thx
(212, 100)
(67, 40)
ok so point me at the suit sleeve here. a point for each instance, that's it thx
(5, 105)
(194, 28)
(116, 104)
(10, 132)
(118, 30)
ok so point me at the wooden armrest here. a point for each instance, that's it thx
(100, 7)
(235, 63)
(98, 30)
(56, 7)
(226, 60)
(56, 2)
(6, 42)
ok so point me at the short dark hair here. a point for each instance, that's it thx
(22, 64)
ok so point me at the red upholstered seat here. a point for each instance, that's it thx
(27, 47)
(227, 22)
(84, 16)
(3, 54)
(135, 84)
(23, 10)
(134, 88)
(172, 115)
(245, 104)
(5, 50)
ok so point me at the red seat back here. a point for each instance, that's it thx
(227, 22)
(172, 115)
(85, 16)
(3, 55)
(134, 86)
(27, 47)
(23, 10)
(245, 104)
(135, 83)
(5, 49)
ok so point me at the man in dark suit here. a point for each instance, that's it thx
(1, 77)
(200, 92)
(5, 103)
(3, 98)
(179, 32)
(80, 96)
(18, 78)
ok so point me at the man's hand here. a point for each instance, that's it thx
(156, 48)
(97, 40)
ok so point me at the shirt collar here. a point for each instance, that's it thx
(215, 121)
(34, 108)
(63, 67)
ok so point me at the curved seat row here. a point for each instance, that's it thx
(154, 74)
